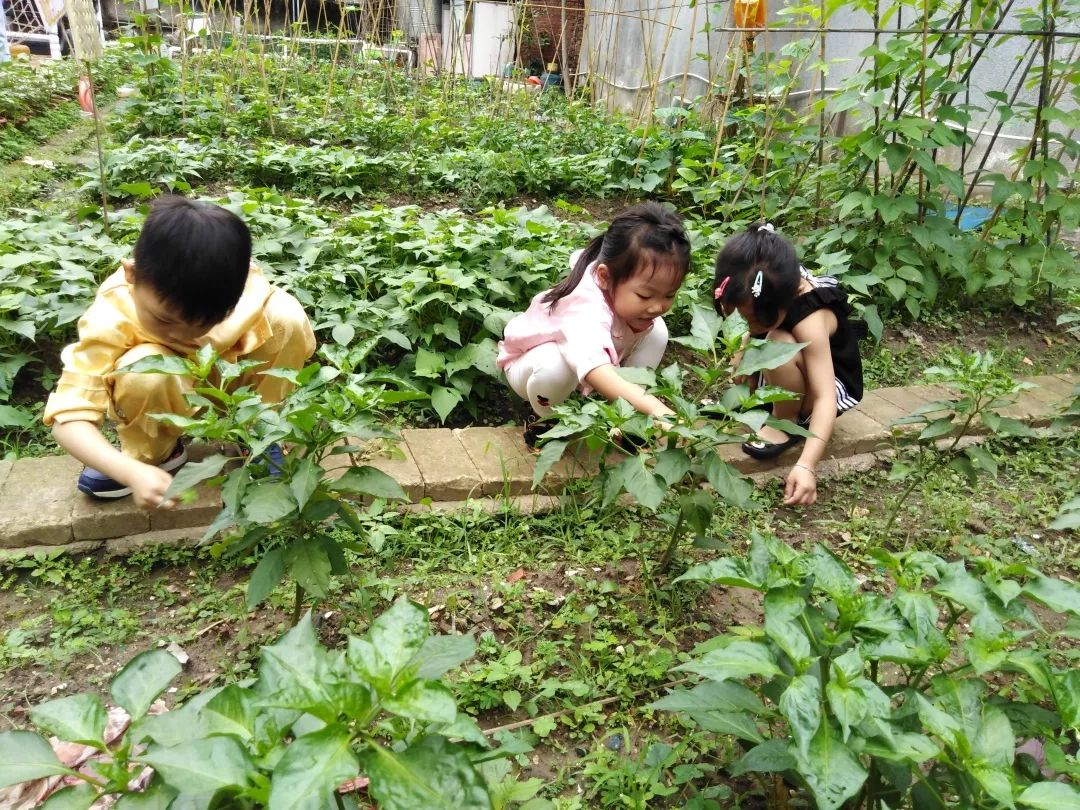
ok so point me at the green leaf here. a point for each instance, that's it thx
(75, 797)
(1059, 596)
(13, 417)
(997, 783)
(25, 756)
(391, 644)
(145, 677)
(202, 766)
(904, 747)
(311, 769)
(194, 473)
(171, 364)
(231, 711)
(550, 453)
(801, 705)
(710, 696)
(832, 772)
(671, 465)
(424, 701)
(78, 718)
(428, 364)
(268, 501)
(266, 576)
(309, 565)
(783, 607)
(734, 572)
(431, 773)
(369, 481)
(1066, 689)
(729, 485)
(771, 756)
(737, 661)
(1051, 796)
(444, 400)
(640, 482)
(343, 333)
(304, 481)
(848, 705)
(767, 355)
(441, 654)
(995, 742)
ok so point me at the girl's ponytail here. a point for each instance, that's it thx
(590, 254)
(642, 233)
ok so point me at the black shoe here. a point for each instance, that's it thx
(631, 444)
(535, 427)
(765, 451)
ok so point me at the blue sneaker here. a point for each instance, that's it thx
(274, 458)
(98, 485)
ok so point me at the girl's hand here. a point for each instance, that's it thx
(801, 488)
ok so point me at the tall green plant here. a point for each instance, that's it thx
(915, 699)
(983, 390)
(672, 458)
(285, 513)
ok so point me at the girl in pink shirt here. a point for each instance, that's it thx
(606, 313)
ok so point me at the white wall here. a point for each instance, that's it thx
(624, 40)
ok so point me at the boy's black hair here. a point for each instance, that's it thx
(644, 236)
(195, 256)
(758, 248)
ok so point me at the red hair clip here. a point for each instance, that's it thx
(719, 291)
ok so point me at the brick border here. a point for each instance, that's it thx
(439, 469)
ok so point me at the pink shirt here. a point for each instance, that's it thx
(589, 334)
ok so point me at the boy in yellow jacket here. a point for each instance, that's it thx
(191, 283)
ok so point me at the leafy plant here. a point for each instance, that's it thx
(288, 511)
(983, 390)
(919, 698)
(686, 443)
(311, 720)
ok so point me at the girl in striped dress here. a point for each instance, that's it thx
(758, 273)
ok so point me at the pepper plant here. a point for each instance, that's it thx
(283, 512)
(668, 479)
(312, 719)
(983, 391)
(916, 699)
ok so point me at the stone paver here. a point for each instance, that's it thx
(501, 458)
(881, 410)
(439, 469)
(855, 432)
(1029, 408)
(448, 472)
(175, 538)
(37, 500)
(199, 512)
(100, 520)
(78, 547)
(1051, 390)
(398, 462)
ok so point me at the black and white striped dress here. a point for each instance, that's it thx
(847, 365)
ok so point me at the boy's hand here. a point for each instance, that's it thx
(148, 486)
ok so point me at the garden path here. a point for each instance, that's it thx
(40, 509)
